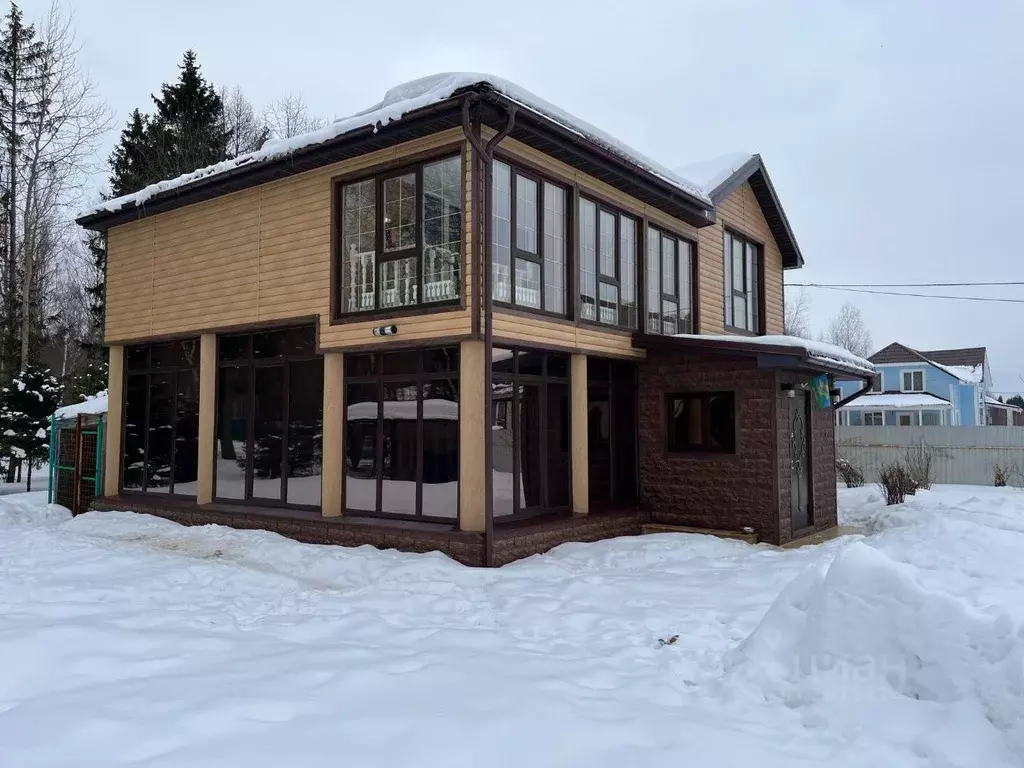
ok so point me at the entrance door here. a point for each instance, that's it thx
(801, 504)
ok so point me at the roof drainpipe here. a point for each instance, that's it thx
(868, 383)
(486, 153)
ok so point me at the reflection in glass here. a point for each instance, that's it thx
(554, 248)
(588, 260)
(186, 434)
(361, 447)
(501, 257)
(232, 432)
(134, 467)
(305, 432)
(161, 433)
(399, 449)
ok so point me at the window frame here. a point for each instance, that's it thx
(662, 295)
(872, 415)
(250, 362)
(516, 170)
(877, 385)
(616, 280)
(542, 379)
(704, 449)
(759, 285)
(903, 379)
(379, 174)
(379, 378)
(149, 371)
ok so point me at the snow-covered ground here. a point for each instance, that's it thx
(128, 640)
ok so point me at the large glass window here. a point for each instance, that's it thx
(607, 266)
(670, 285)
(611, 431)
(530, 432)
(161, 418)
(743, 267)
(401, 238)
(402, 433)
(529, 241)
(701, 421)
(269, 417)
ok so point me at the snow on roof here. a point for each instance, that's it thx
(711, 174)
(989, 400)
(398, 102)
(93, 404)
(905, 400)
(406, 409)
(828, 354)
(969, 374)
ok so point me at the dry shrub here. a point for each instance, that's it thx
(849, 474)
(896, 483)
(1002, 475)
(917, 462)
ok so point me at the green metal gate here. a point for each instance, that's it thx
(76, 461)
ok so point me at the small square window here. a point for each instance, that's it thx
(913, 381)
(701, 421)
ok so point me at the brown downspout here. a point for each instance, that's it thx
(486, 153)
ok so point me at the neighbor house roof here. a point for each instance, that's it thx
(722, 176)
(418, 108)
(893, 400)
(996, 403)
(967, 364)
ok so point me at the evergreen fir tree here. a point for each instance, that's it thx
(188, 130)
(132, 163)
(1015, 400)
(87, 382)
(25, 409)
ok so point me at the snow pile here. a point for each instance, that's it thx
(398, 102)
(820, 351)
(93, 404)
(711, 174)
(29, 510)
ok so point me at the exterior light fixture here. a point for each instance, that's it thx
(385, 330)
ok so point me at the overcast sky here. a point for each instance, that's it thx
(892, 130)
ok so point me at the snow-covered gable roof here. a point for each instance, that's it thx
(721, 176)
(969, 364)
(995, 403)
(396, 104)
(827, 355)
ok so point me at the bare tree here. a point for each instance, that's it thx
(847, 330)
(797, 321)
(65, 130)
(248, 131)
(288, 116)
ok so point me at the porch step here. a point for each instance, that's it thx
(750, 538)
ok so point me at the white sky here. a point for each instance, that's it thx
(891, 129)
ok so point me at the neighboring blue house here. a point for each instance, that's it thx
(933, 388)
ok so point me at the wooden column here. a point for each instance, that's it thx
(578, 427)
(114, 427)
(474, 428)
(207, 416)
(332, 488)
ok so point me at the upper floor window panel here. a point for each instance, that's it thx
(743, 270)
(913, 381)
(401, 238)
(529, 251)
(608, 246)
(670, 283)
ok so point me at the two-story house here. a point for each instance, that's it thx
(461, 320)
(939, 387)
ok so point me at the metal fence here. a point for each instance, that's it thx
(76, 462)
(966, 455)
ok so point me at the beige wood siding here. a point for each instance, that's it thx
(521, 328)
(740, 212)
(256, 256)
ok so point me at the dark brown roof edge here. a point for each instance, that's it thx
(802, 358)
(764, 191)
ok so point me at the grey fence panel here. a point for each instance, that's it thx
(965, 455)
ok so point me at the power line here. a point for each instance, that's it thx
(912, 295)
(903, 285)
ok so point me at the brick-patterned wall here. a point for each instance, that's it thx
(823, 461)
(750, 488)
(515, 542)
(721, 491)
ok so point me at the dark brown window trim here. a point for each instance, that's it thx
(544, 379)
(397, 167)
(250, 362)
(600, 278)
(149, 371)
(731, 231)
(677, 297)
(378, 379)
(435, 308)
(703, 451)
(539, 179)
